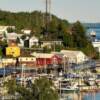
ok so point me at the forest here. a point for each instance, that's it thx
(73, 35)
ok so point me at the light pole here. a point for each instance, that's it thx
(45, 66)
(64, 64)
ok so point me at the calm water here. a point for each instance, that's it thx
(83, 96)
(92, 96)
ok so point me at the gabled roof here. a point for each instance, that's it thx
(71, 52)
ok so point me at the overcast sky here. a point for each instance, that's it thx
(72, 10)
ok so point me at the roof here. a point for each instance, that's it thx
(3, 28)
(26, 31)
(33, 38)
(52, 41)
(71, 52)
(12, 35)
(42, 55)
(58, 53)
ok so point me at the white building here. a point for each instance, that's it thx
(21, 44)
(12, 36)
(74, 56)
(26, 31)
(50, 43)
(33, 41)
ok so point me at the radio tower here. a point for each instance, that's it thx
(48, 13)
(50, 16)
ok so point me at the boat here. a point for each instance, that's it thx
(67, 86)
(68, 89)
(90, 81)
(98, 80)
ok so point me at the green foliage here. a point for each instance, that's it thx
(43, 86)
(1, 53)
(4, 35)
(42, 89)
(72, 35)
(46, 49)
(11, 86)
(10, 30)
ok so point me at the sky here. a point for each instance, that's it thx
(72, 10)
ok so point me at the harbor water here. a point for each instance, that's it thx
(82, 96)
(96, 30)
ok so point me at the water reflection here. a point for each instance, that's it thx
(81, 96)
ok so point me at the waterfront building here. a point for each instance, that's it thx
(77, 57)
(45, 59)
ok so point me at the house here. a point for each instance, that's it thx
(45, 59)
(50, 43)
(33, 41)
(29, 42)
(13, 51)
(8, 61)
(3, 29)
(27, 61)
(74, 56)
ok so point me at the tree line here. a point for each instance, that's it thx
(73, 35)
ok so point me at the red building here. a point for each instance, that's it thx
(49, 59)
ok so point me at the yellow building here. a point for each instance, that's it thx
(13, 51)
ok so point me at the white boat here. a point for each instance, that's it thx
(90, 81)
(67, 86)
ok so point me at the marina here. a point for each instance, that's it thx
(45, 54)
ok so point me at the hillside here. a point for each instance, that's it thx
(72, 35)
